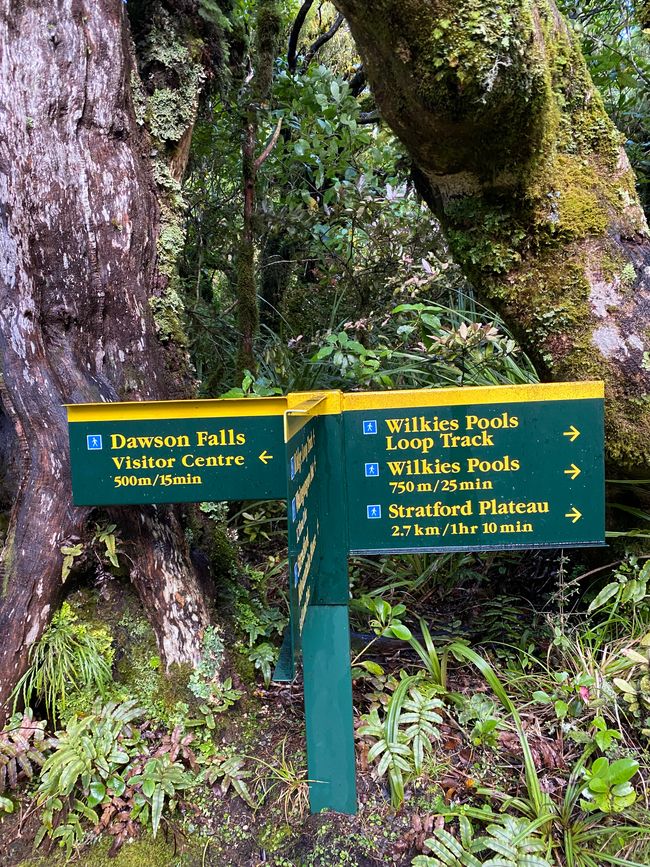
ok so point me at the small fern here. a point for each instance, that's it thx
(450, 852)
(86, 763)
(420, 712)
(404, 735)
(70, 657)
(23, 747)
(92, 748)
(211, 12)
(514, 841)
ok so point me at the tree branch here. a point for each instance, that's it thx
(292, 49)
(271, 144)
(325, 37)
(358, 81)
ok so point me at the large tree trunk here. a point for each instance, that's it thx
(78, 260)
(518, 159)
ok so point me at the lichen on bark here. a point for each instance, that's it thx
(172, 60)
(75, 326)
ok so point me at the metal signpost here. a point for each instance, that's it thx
(466, 469)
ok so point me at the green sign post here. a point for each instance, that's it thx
(364, 473)
(319, 621)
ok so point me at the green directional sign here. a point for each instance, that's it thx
(475, 476)
(466, 469)
(125, 454)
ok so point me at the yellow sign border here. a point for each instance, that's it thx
(479, 394)
(332, 402)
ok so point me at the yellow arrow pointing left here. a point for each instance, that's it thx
(574, 514)
(573, 471)
(265, 457)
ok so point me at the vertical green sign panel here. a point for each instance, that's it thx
(476, 476)
(303, 520)
(320, 633)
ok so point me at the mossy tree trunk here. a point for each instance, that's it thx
(256, 91)
(85, 274)
(515, 154)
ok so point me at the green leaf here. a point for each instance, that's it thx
(116, 784)
(372, 667)
(561, 709)
(96, 794)
(398, 630)
(604, 596)
(623, 770)
(156, 809)
(624, 686)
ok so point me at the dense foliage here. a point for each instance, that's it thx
(502, 700)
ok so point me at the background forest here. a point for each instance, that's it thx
(502, 700)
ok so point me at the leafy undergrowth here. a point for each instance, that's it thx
(490, 729)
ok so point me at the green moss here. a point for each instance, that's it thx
(244, 667)
(628, 275)
(546, 297)
(207, 526)
(577, 210)
(168, 315)
(140, 675)
(171, 107)
(273, 837)
(462, 50)
(267, 32)
(144, 852)
(172, 58)
(168, 307)
(168, 115)
(170, 243)
(247, 309)
(165, 181)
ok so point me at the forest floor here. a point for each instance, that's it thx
(264, 728)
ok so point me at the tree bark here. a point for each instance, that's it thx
(78, 267)
(516, 156)
(256, 91)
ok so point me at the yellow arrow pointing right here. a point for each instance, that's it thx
(573, 433)
(574, 514)
(265, 457)
(573, 471)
